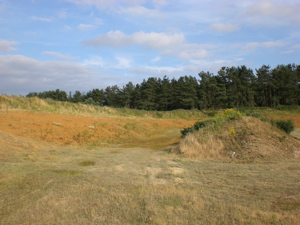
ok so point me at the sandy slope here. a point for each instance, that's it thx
(93, 130)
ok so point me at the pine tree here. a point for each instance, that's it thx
(164, 92)
(264, 87)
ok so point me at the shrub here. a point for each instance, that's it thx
(197, 126)
(231, 114)
(285, 125)
(211, 113)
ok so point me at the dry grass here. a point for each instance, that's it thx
(202, 146)
(249, 138)
(13, 103)
(42, 182)
(140, 186)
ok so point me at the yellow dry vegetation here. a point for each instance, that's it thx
(246, 138)
(63, 163)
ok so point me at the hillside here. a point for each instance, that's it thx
(246, 138)
(94, 126)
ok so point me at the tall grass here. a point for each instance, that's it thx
(49, 105)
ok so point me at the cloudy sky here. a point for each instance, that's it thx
(85, 44)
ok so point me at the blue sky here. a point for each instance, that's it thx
(86, 44)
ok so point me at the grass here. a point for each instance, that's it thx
(37, 105)
(234, 135)
(140, 186)
(87, 163)
(46, 183)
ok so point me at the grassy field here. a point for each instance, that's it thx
(55, 185)
(49, 181)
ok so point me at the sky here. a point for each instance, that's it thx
(87, 44)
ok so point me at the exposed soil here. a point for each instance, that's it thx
(77, 130)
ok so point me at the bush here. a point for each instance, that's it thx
(211, 113)
(231, 114)
(285, 125)
(290, 108)
(197, 126)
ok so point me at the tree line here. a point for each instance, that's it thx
(230, 87)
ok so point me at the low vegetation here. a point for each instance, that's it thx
(55, 171)
(8, 103)
(48, 184)
(231, 135)
(285, 125)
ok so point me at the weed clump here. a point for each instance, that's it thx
(227, 115)
(197, 126)
(285, 125)
(231, 114)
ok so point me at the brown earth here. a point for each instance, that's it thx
(66, 129)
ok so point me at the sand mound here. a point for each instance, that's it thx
(247, 138)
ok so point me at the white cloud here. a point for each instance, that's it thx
(160, 3)
(157, 40)
(151, 40)
(20, 74)
(141, 11)
(95, 61)
(85, 27)
(274, 12)
(62, 14)
(168, 69)
(224, 27)
(123, 63)
(114, 4)
(67, 28)
(166, 44)
(269, 44)
(193, 53)
(58, 55)
(294, 48)
(7, 46)
(100, 4)
(112, 39)
(43, 19)
(159, 71)
(213, 65)
(156, 59)
(117, 63)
